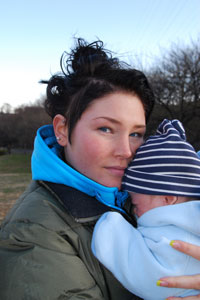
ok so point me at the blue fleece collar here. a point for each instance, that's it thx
(47, 165)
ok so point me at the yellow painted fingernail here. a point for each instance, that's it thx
(158, 282)
(162, 283)
(175, 244)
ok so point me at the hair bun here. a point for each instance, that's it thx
(87, 58)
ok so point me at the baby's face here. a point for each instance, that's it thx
(142, 203)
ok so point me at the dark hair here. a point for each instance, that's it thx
(90, 72)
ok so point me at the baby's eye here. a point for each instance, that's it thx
(105, 129)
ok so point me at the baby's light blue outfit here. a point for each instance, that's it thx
(139, 257)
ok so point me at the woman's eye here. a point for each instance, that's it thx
(105, 129)
(137, 134)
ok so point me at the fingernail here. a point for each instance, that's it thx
(162, 283)
(175, 244)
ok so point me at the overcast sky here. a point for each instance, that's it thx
(34, 34)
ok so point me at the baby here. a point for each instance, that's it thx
(165, 171)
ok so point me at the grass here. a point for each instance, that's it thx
(15, 163)
(15, 175)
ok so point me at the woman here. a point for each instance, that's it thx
(99, 107)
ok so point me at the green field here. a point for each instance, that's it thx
(15, 175)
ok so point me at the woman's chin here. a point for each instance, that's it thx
(114, 184)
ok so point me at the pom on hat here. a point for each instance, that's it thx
(166, 164)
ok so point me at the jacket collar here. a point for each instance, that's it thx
(84, 208)
(80, 206)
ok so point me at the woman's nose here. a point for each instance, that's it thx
(124, 149)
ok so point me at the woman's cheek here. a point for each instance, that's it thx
(96, 149)
(96, 144)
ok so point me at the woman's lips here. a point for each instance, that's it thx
(117, 171)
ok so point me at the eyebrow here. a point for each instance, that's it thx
(117, 122)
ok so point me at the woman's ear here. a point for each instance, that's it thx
(61, 130)
(169, 199)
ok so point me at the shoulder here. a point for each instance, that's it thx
(40, 206)
(38, 221)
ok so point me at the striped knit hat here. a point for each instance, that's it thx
(165, 164)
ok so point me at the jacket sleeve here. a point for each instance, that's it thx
(136, 261)
(33, 270)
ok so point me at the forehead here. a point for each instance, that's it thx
(119, 106)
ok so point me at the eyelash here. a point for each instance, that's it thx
(137, 134)
(134, 134)
(104, 129)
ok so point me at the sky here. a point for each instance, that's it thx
(35, 33)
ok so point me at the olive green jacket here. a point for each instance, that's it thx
(45, 250)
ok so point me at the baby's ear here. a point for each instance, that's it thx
(170, 200)
(61, 130)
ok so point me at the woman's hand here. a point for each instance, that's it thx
(186, 282)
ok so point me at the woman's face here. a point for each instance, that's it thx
(106, 137)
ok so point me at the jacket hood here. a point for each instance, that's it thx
(48, 165)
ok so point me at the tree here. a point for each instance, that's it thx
(18, 129)
(175, 81)
(8, 133)
(6, 108)
(30, 118)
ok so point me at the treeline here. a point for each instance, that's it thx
(175, 79)
(176, 83)
(18, 129)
